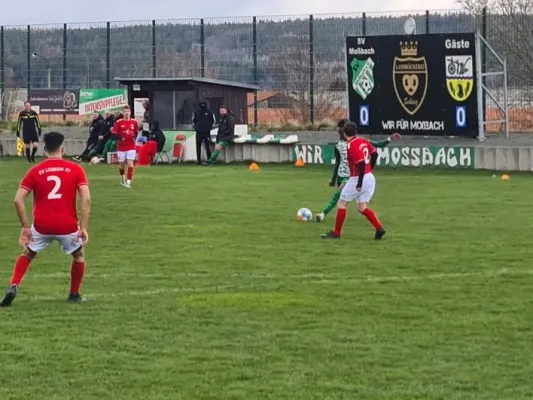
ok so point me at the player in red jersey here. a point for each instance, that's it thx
(362, 157)
(55, 183)
(125, 131)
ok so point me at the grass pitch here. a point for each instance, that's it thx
(202, 285)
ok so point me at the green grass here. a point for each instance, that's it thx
(204, 286)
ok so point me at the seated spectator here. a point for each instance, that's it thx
(156, 141)
(97, 131)
(157, 135)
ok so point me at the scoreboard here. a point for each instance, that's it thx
(413, 84)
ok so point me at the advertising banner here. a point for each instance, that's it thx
(397, 156)
(99, 100)
(54, 101)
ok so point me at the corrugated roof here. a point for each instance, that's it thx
(190, 79)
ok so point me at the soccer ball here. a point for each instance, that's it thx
(95, 160)
(304, 214)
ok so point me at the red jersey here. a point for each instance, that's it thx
(54, 184)
(127, 130)
(359, 150)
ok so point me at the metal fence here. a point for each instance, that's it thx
(298, 61)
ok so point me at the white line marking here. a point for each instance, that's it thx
(315, 276)
(134, 293)
(320, 278)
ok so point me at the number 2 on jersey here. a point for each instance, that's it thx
(53, 195)
(366, 154)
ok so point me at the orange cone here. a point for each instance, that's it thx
(254, 167)
(299, 163)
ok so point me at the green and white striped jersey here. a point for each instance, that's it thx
(344, 171)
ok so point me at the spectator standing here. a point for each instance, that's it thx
(30, 127)
(203, 122)
(146, 118)
(226, 132)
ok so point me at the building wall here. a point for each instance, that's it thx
(234, 98)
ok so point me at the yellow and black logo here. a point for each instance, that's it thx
(410, 77)
(459, 77)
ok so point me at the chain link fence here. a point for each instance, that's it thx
(298, 61)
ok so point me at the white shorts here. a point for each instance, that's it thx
(126, 155)
(69, 243)
(350, 193)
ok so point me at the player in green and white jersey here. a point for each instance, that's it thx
(341, 173)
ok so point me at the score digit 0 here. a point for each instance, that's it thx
(460, 116)
(364, 115)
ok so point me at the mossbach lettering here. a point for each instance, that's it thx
(360, 51)
(427, 125)
(413, 125)
(425, 156)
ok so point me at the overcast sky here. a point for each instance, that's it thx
(59, 11)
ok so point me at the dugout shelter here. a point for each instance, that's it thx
(174, 100)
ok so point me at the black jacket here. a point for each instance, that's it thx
(97, 128)
(226, 128)
(28, 123)
(203, 119)
(158, 136)
(109, 122)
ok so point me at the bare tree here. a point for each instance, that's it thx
(289, 71)
(509, 25)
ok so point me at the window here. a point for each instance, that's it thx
(185, 105)
(163, 109)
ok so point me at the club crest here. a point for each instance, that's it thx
(410, 77)
(459, 77)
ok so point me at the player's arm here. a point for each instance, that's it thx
(85, 203)
(19, 124)
(361, 168)
(20, 205)
(383, 143)
(373, 159)
(336, 167)
(38, 124)
(373, 155)
(115, 132)
(380, 143)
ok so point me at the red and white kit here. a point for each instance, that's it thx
(54, 184)
(359, 150)
(126, 147)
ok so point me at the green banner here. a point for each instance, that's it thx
(314, 153)
(397, 156)
(99, 100)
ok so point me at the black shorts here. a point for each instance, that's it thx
(30, 137)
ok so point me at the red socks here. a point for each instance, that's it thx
(21, 267)
(77, 271)
(372, 218)
(121, 171)
(339, 221)
(130, 173)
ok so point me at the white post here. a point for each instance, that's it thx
(480, 90)
(505, 98)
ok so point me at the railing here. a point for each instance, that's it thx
(298, 61)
